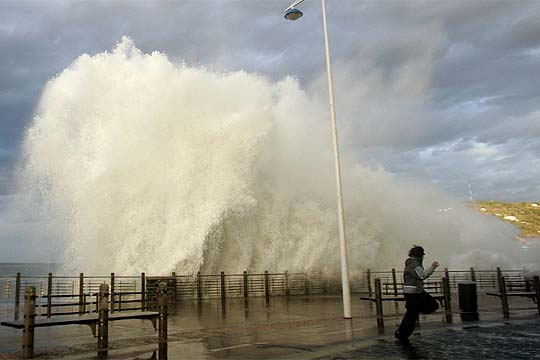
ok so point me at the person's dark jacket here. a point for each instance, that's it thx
(414, 275)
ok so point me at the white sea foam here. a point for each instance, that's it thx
(141, 164)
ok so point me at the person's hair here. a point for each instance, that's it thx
(416, 251)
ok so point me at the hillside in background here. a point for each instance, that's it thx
(525, 215)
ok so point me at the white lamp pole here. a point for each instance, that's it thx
(291, 13)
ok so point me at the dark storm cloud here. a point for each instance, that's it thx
(412, 77)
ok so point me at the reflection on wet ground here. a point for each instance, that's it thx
(506, 341)
(288, 328)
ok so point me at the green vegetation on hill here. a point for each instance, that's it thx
(525, 215)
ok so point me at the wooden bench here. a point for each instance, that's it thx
(523, 290)
(97, 322)
(443, 298)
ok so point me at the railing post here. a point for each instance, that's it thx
(504, 297)
(307, 284)
(29, 319)
(266, 286)
(473, 275)
(143, 291)
(17, 294)
(447, 275)
(324, 283)
(103, 320)
(82, 300)
(112, 292)
(199, 286)
(536, 281)
(173, 275)
(245, 278)
(447, 299)
(394, 281)
(379, 304)
(223, 293)
(499, 275)
(368, 276)
(49, 295)
(287, 291)
(162, 324)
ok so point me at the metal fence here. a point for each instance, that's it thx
(66, 294)
(486, 280)
(75, 294)
(202, 286)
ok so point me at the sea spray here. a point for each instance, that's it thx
(140, 164)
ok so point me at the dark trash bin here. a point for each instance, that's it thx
(468, 302)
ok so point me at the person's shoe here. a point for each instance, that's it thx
(400, 338)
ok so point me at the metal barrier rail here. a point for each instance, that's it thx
(214, 286)
(485, 279)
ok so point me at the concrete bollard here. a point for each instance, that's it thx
(162, 324)
(29, 320)
(468, 300)
(379, 304)
(103, 320)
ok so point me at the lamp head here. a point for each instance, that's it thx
(293, 14)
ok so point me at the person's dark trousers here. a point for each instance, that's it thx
(415, 304)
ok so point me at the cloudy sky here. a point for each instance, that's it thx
(446, 92)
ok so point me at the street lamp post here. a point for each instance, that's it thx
(292, 13)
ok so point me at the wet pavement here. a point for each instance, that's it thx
(296, 328)
(513, 340)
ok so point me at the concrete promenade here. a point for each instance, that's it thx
(299, 327)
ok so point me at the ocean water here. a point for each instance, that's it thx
(27, 269)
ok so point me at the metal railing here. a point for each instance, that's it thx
(485, 279)
(55, 294)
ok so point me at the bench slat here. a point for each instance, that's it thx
(82, 320)
(394, 298)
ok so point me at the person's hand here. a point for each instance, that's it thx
(435, 265)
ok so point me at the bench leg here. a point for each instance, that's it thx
(162, 323)
(378, 304)
(29, 320)
(447, 299)
(537, 290)
(504, 297)
(103, 320)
